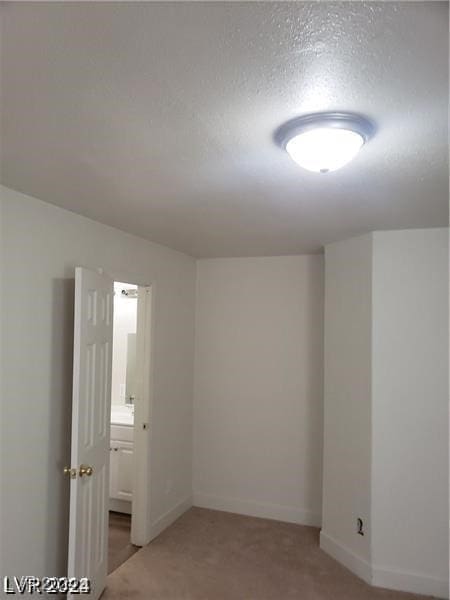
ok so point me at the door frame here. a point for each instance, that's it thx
(143, 410)
(140, 511)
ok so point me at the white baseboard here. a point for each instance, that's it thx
(416, 583)
(169, 517)
(346, 557)
(278, 512)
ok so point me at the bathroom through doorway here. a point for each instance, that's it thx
(130, 421)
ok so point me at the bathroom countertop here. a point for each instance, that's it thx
(122, 415)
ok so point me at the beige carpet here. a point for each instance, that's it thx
(119, 547)
(211, 555)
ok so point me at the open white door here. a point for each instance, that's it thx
(89, 493)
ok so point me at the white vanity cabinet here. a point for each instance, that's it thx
(121, 468)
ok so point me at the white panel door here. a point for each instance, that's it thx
(89, 493)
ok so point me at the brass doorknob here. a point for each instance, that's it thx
(72, 473)
(85, 470)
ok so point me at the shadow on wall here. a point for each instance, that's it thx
(58, 485)
(314, 411)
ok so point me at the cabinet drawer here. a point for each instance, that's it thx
(122, 432)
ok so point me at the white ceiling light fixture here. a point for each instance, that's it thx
(324, 142)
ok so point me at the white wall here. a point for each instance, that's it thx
(347, 392)
(40, 246)
(410, 410)
(386, 408)
(258, 386)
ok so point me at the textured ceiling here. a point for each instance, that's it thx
(157, 118)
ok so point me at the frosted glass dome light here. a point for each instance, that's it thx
(324, 142)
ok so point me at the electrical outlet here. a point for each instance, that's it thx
(359, 526)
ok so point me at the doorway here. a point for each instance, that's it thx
(127, 453)
(91, 424)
